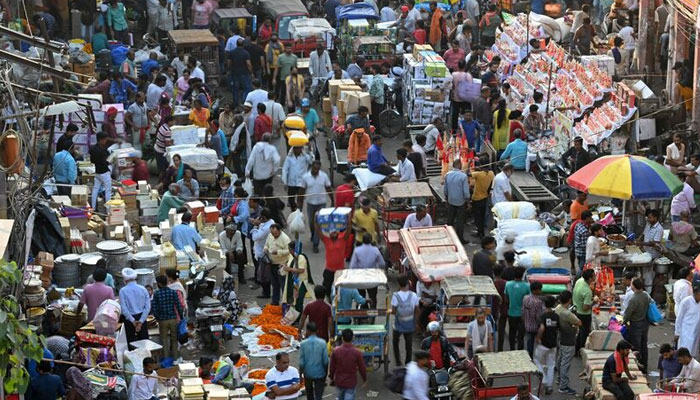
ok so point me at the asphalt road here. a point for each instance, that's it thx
(374, 387)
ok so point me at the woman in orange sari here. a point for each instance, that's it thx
(199, 115)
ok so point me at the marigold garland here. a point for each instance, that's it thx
(257, 373)
(243, 361)
(258, 388)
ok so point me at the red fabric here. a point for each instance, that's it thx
(572, 229)
(140, 172)
(218, 203)
(346, 361)
(436, 354)
(82, 337)
(515, 124)
(263, 124)
(420, 36)
(318, 312)
(335, 252)
(265, 33)
(344, 196)
(620, 363)
(234, 208)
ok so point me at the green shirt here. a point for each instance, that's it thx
(583, 295)
(116, 17)
(516, 291)
(169, 201)
(99, 42)
(376, 90)
(285, 63)
(567, 326)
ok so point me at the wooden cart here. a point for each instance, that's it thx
(202, 45)
(457, 303)
(230, 18)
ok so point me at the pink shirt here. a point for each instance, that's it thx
(93, 295)
(452, 58)
(201, 13)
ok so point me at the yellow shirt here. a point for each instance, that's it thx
(280, 245)
(482, 182)
(368, 222)
(200, 118)
(275, 54)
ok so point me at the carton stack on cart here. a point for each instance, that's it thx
(344, 98)
(599, 346)
(429, 85)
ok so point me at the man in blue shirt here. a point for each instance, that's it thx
(65, 171)
(313, 362)
(120, 88)
(149, 64)
(185, 235)
(457, 194)
(347, 296)
(376, 161)
(45, 385)
(136, 304)
(516, 151)
(310, 116)
(471, 129)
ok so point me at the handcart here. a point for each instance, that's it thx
(282, 13)
(200, 44)
(433, 253)
(231, 18)
(457, 303)
(370, 338)
(500, 374)
(395, 204)
(308, 32)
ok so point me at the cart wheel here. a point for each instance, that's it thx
(391, 123)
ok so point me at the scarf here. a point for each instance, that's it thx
(477, 340)
(180, 171)
(271, 47)
(620, 363)
(78, 382)
(572, 231)
(681, 228)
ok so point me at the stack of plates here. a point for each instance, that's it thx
(88, 262)
(66, 271)
(146, 260)
(34, 294)
(116, 255)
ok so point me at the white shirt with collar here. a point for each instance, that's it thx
(406, 172)
(412, 221)
(197, 72)
(143, 387)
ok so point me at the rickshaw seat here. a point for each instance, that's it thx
(392, 237)
(363, 328)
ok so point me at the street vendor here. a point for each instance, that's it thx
(576, 157)
(692, 170)
(228, 375)
(650, 239)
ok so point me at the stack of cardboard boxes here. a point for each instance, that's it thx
(148, 204)
(345, 97)
(427, 85)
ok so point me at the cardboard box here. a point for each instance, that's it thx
(211, 215)
(79, 194)
(80, 223)
(420, 47)
(327, 105)
(45, 259)
(353, 101)
(435, 95)
(148, 203)
(334, 86)
(147, 212)
(435, 69)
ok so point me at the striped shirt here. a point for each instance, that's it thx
(164, 135)
(283, 380)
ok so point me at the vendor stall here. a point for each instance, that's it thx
(200, 44)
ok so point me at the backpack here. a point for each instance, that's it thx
(395, 379)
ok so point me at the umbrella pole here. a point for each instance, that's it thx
(624, 208)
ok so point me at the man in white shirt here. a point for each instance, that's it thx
(686, 331)
(431, 133)
(689, 377)
(319, 64)
(315, 186)
(406, 172)
(144, 387)
(283, 380)
(593, 251)
(387, 12)
(262, 163)
(195, 70)
(418, 219)
(627, 296)
(501, 190)
(276, 112)
(232, 246)
(628, 37)
(154, 91)
(257, 96)
(232, 42)
(682, 288)
(413, 17)
(415, 385)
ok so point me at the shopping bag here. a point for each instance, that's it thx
(653, 314)
(182, 335)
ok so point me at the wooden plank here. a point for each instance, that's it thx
(192, 37)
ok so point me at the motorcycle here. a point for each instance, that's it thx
(438, 389)
(553, 174)
(209, 313)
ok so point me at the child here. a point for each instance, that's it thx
(144, 387)
(205, 366)
(420, 35)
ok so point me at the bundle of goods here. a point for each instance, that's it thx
(334, 219)
(452, 147)
(427, 84)
(93, 349)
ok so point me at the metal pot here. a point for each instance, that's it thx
(612, 256)
(617, 240)
(661, 265)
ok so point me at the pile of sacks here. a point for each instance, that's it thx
(518, 230)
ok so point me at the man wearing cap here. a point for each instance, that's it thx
(249, 119)
(232, 245)
(136, 304)
(576, 157)
(296, 165)
(311, 118)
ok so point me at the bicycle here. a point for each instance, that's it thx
(391, 121)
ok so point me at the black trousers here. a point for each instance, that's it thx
(131, 334)
(583, 331)
(457, 108)
(455, 217)
(259, 185)
(479, 210)
(292, 192)
(408, 342)
(638, 335)
(275, 283)
(327, 284)
(502, 321)
(376, 110)
(621, 390)
(372, 293)
(516, 331)
(314, 388)
(385, 170)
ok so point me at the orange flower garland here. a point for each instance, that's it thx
(258, 388)
(270, 320)
(243, 361)
(257, 373)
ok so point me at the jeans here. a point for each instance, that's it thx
(566, 354)
(314, 388)
(516, 330)
(502, 321)
(168, 334)
(530, 342)
(346, 394)
(408, 342)
(240, 85)
(275, 282)
(102, 181)
(545, 358)
(638, 337)
(479, 209)
(311, 210)
(583, 331)
(621, 390)
(455, 217)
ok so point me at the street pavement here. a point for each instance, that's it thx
(374, 388)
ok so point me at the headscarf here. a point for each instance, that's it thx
(79, 383)
(180, 171)
(271, 47)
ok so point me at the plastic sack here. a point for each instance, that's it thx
(107, 317)
(607, 220)
(514, 210)
(536, 257)
(367, 178)
(515, 227)
(641, 258)
(531, 239)
(254, 311)
(248, 185)
(133, 361)
(295, 220)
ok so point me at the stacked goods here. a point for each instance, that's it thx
(347, 96)
(148, 207)
(88, 263)
(116, 256)
(116, 212)
(79, 195)
(45, 260)
(85, 136)
(66, 272)
(334, 219)
(428, 83)
(195, 207)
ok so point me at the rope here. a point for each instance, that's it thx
(121, 371)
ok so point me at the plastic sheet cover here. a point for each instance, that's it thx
(309, 27)
(197, 157)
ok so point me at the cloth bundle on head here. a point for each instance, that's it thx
(112, 111)
(128, 274)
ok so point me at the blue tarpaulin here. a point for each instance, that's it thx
(356, 11)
